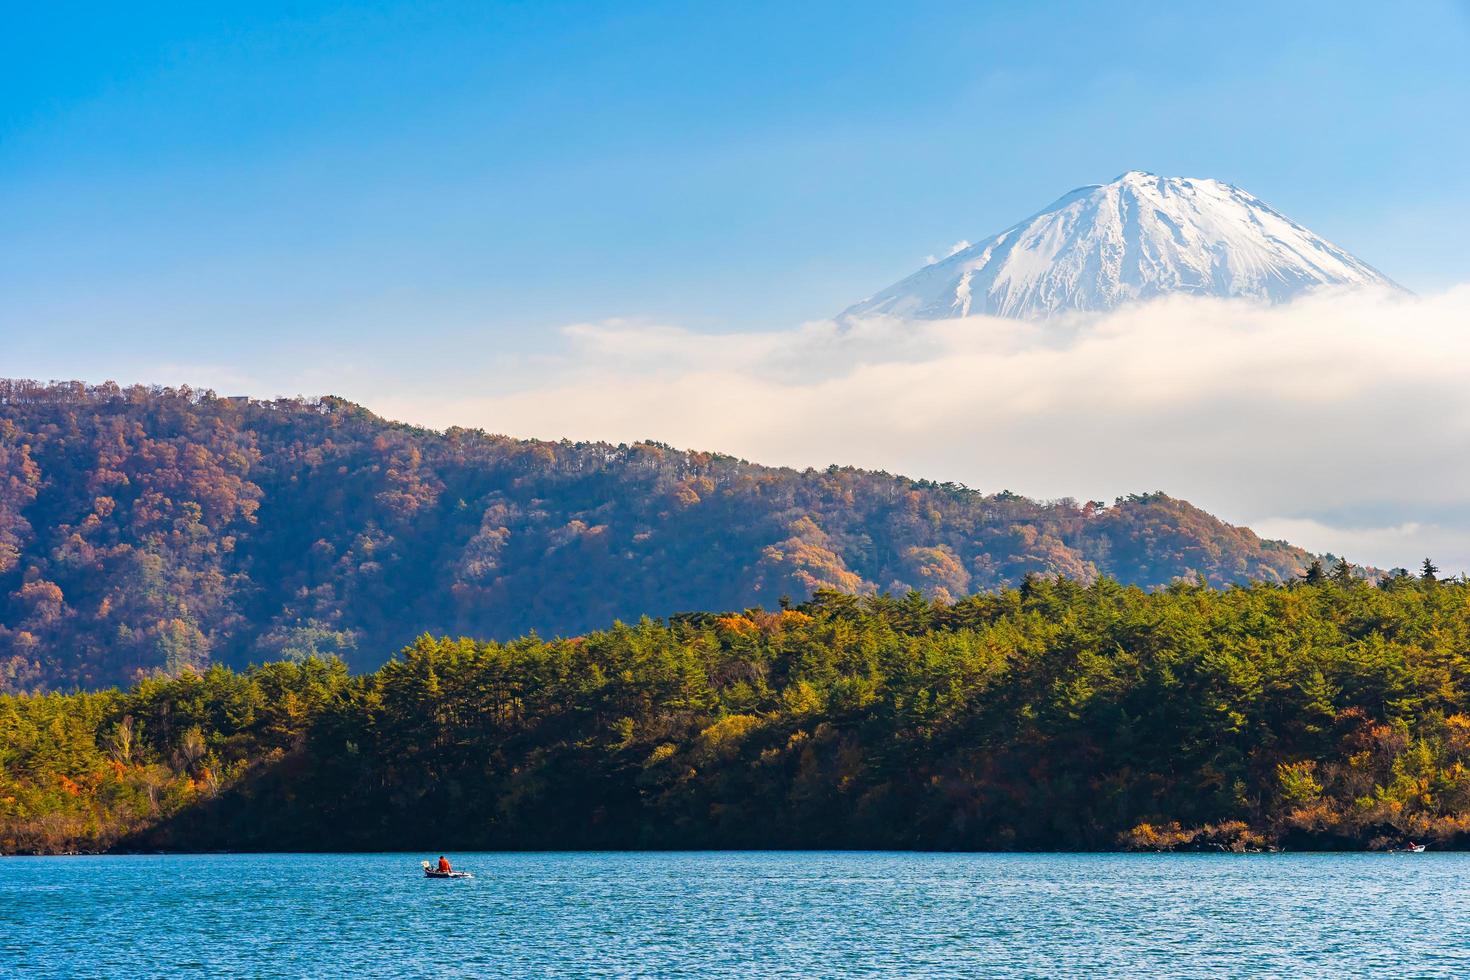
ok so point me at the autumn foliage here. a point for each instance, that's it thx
(1330, 714)
(148, 531)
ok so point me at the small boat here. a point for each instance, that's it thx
(1414, 849)
(429, 872)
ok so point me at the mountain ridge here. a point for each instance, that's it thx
(160, 530)
(1137, 237)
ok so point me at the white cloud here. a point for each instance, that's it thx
(1340, 421)
(958, 246)
(1410, 541)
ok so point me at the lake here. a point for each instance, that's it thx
(736, 914)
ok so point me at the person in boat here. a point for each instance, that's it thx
(444, 864)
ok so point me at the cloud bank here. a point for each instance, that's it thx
(1340, 421)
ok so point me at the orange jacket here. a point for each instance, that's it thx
(444, 864)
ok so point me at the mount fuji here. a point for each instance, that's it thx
(1136, 238)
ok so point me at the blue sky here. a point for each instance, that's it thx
(409, 204)
(185, 184)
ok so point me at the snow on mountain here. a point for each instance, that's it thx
(1138, 237)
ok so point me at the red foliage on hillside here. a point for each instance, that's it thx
(151, 530)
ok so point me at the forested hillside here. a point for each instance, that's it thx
(1329, 713)
(152, 530)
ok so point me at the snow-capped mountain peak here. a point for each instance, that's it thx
(1135, 238)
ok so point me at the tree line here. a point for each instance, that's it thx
(1325, 712)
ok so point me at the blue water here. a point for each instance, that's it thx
(737, 914)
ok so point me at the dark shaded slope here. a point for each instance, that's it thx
(1054, 716)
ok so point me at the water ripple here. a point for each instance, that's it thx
(749, 914)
